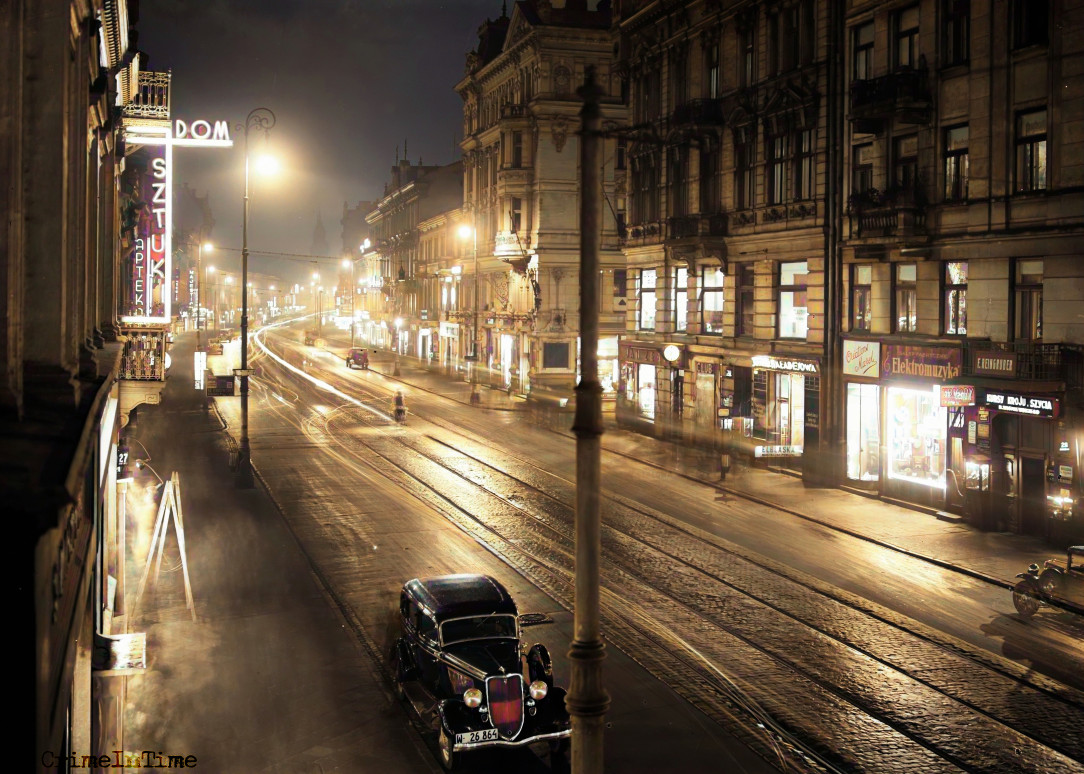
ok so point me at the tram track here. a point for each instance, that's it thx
(542, 546)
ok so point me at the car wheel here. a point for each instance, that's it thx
(449, 758)
(1025, 600)
(1050, 582)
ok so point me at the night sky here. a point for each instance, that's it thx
(349, 80)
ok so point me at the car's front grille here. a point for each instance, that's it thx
(505, 695)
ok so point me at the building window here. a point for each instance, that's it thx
(861, 297)
(1031, 151)
(905, 296)
(746, 299)
(1030, 23)
(517, 150)
(806, 32)
(906, 42)
(679, 182)
(862, 45)
(711, 199)
(679, 298)
(679, 76)
(646, 296)
(905, 162)
(621, 279)
(711, 61)
(1028, 297)
(956, 298)
(803, 165)
(711, 300)
(747, 67)
(956, 142)
(955, 32)
(621, 153)
(793, 306)
(515, 220)
(777, 169)
(743, 169)
(862, 169)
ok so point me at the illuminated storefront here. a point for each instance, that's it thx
(916, 433)
(784, 400)
(641, 369)
(861, 370)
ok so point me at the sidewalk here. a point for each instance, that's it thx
(993, 556)
(267, 678)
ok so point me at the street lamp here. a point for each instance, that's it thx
(469, 232)
(262, 120)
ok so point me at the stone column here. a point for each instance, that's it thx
(12, 246)
(50, 328)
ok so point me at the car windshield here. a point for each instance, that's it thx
(482, 627)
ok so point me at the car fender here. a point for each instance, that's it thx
(1030, 580)
(456, 717)
(408, 670)
(540, 665)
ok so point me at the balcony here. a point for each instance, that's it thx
(903, 95)
(514, 111)
(699, 112)
(1027, 360)
(644, 234)
(692, 226)
(898, 211)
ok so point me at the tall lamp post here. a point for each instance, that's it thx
(470, 232)
(261, 119)
(587, 700)
(199, 287)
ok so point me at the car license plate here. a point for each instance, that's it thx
(473, 737)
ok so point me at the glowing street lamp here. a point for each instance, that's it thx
(468, 232)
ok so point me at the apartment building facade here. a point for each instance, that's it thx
(521, 195)
(963, 262)
(726, 238)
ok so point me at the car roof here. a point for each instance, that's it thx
(451, 596)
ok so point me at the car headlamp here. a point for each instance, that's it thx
(538, 690)
(472, 697)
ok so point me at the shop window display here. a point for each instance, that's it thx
(645, 378)
(915, 426)
(863, 432)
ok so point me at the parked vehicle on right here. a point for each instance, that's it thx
(1061, 579)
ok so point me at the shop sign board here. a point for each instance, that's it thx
(972, 432)
(1065, 473)
(706, 368)
(647, 355)
(994, 363)
(936, 363)
(777, 451)
(221, 385)
(200, 368)
(773, 363)
(861, 358)
(957, 395)
(1031, 405)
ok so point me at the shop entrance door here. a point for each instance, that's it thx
(705, 400)
(1032, 495)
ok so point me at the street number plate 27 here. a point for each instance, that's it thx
(473, 737)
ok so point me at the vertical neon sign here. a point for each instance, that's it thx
(150, 292)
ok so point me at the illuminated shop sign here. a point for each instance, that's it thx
(776, 364)
(777, 451)
(957, 395)
(936, 363)
(148, 295)
(209, 134)
(861, 358)
(1022, 404)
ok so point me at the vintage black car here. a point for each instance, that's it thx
(460, 642)
(1058, 579)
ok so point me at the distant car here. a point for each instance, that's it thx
(460, 642)
(1058, 579)
(357, 357)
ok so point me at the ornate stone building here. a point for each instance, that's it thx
(521, 197)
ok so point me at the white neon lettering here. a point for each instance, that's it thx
(159, 167)
(222, 131)
(159, 193)
(180, 129)
(200, 129)
(160, 216)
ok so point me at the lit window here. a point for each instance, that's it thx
(956, 297)
(956, 163)
(793, 304)
(1028, 297)
(861, 297)
(711, 300)
(646, 293)
(906, 297)
(1031, 151)
(679, 298)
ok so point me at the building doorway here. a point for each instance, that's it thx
(1032, 495)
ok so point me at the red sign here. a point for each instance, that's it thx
(957, 395)
(937, 364)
